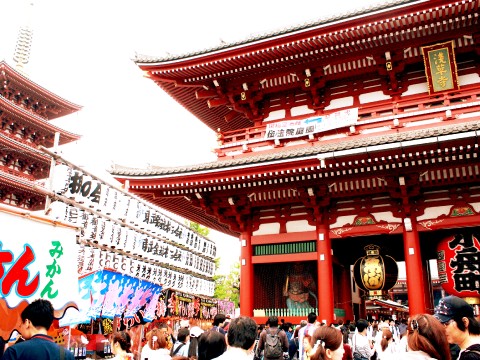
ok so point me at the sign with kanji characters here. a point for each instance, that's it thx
(440, 67)
(458, 261)
(36, 261)
(190, 306)
(313, 125)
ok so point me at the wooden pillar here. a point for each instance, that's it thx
(325, 275)
(246, 275)
(413, 267)
(346, 292)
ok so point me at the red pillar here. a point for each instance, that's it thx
(325, 275)
(246, 275)
(413, 267)
(346, 292)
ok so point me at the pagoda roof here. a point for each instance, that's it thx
(22, 184)
(56, 105)
(25, 149)
(36, 121)
(208, 83)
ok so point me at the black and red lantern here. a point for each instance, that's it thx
(458, 262)
(375, 273)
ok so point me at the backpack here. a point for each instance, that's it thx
(273, 346)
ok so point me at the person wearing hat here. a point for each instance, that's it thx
(461, 327)
(195, 333)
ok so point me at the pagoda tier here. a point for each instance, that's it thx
(20, 192)
(25, 111)
(30, 96)
(402, 173)
(19, 159)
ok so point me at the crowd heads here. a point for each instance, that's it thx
(211, 344)
(242, 332)
(219, 319)
(361, 324)
(273, 321)
(39, 313)
(311, 318)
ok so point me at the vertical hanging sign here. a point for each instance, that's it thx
(440, 67)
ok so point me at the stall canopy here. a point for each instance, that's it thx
(35, 262)
(380, 304)
(108, 294)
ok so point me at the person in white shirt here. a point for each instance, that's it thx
(180, 348)
(362, 347)
(308, 329)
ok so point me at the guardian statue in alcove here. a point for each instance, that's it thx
(299, 287)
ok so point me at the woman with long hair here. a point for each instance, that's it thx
(195, 333)
(156, 346)
(121, 344)
(387, 344)
(327, 344)
(426, 339)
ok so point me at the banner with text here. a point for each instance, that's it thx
(313, 125)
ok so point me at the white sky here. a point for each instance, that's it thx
(83, 50)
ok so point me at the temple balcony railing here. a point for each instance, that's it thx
(375, 117)
(285, 248)
(284, 312)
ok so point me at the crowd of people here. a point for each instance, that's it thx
(452, 332)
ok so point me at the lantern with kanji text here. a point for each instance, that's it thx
(375, 273)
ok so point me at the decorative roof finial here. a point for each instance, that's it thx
(24, 41)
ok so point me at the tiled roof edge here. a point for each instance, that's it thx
(144, 59)
(299, 153)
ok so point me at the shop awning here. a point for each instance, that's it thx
(107, 294)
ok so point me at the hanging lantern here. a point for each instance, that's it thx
(458, 259)
(375, 274)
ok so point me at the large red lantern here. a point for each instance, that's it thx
(458, 261)
(374, 273)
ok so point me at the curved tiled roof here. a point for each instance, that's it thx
(36, 121)
(298, 153)
(140, 58)
(63, 106)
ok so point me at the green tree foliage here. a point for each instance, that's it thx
(227, 287)
(202, 230)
